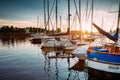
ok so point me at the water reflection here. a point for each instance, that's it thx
(53, 71)
(47, 66)
(12, 39)
(57, 71)
(29, 62)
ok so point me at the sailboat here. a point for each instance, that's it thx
(36, 37)
(103, 61)
(59, 42)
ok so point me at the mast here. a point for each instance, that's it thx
(117, 30)
(80, 19)
(60, 23)
(92, 16)
(86, 10)
(56, 15)
(69, 17)
(48, 13)
(37, 23)
(118, 16)
(44, 15)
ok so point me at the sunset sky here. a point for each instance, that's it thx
(23, 13)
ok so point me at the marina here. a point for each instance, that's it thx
(60, 40)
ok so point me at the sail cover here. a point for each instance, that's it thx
(112, 37)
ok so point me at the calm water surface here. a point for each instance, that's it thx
(21, 60)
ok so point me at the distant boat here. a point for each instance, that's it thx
(55, 44)
(103, 61)
(36, 38)
(48, 45)
(69, 46)
(89, 38)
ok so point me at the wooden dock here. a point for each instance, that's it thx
(61, 56)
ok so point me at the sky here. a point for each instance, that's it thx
(23, 13)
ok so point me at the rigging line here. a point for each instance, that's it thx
(62, 25)
(114, 22)
(51, 23)
(90, 12)
(50, 13)
(76, 8)
(77, 14)
(83, 15)
(86, 10)
(73, 20)
(87, 17)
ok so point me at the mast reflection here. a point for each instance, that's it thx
(12, 39)
(52, 67)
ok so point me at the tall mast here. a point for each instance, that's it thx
(118, 25)
(118, 16)
(80, 19)
(48, 13)
(69, 17)
(44, 15)
(60, 23)
(92, 15)
(86, 10)
(37, 23)
(56, 14)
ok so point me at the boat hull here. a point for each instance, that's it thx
(104, 56)
(36, 40)
(102, 71)
(69, 49)
(95, 74)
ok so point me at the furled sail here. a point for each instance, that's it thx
(112, 37)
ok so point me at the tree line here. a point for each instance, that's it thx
(8, 29)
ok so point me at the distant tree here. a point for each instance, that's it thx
(11, 29)
(4, 29)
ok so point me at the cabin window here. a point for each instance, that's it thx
(117, 50)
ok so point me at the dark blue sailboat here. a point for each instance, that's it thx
(103, 62)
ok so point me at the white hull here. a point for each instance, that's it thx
(112, 68)
(80, 52)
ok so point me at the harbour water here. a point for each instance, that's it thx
(22, 60)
